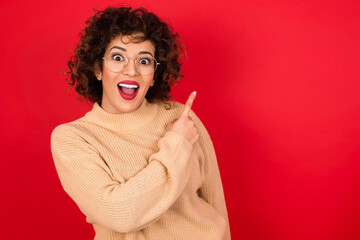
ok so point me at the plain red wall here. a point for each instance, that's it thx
(278, 89)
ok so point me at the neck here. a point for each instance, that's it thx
(123, 121)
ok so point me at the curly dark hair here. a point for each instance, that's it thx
(106, 25)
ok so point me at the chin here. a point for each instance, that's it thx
(128, 107)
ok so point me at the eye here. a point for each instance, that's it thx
(145, 61)
(117, 57)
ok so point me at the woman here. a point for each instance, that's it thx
(138, 166)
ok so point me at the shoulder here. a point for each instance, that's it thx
(67, 129)
(70, 135)
(172, 110)
(71, 140)
(173, 107)
(170, 106)
(169, 110)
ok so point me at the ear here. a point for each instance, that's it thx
(152, 83)
(97, 72)
(98, 75)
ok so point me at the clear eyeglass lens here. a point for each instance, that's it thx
(145, 65)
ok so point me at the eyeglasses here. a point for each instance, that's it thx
(144, 64)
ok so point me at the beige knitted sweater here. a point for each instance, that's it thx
(135, 180)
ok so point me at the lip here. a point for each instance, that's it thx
(129, 82)
(128, 96)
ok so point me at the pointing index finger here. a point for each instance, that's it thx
(189, 104)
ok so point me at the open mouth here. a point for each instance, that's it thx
(128, 89)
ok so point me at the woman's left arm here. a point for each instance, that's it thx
(211, 190)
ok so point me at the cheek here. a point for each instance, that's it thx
(108, 76)
(106, 73)
(150, 80)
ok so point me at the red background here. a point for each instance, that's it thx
(278, 89)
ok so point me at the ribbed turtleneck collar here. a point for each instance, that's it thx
(123, 121)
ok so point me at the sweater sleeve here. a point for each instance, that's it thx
(211, 190)
(127, 206)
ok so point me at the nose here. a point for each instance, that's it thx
(130, 68)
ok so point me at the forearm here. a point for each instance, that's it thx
(132, 205)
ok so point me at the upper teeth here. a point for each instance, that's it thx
(128, 85)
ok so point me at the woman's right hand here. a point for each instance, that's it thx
(184, 125)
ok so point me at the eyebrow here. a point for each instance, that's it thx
(117, 47)
(146, 52)
(124, 50)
